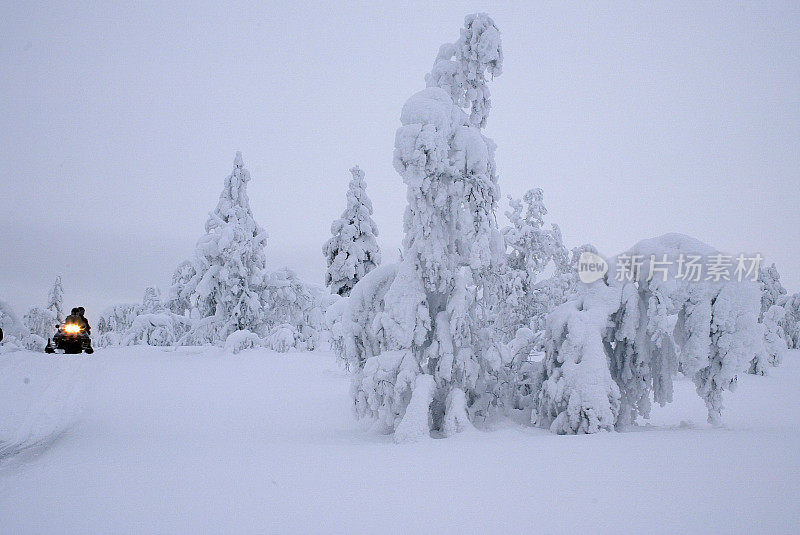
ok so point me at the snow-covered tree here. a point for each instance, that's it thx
(354, 322)
(578, 394)
(353, 251)
(771, 288)
(773, 341)
(40, 321)
(113, 323)
(162, 328)
(638, 332)
(734, 339)
(14, 332)
(240, 340)
(55, 299)
(152, 323)
(772, 292)
(440, 346)
(290, 312)
(226, 284)
(151, 302)
(178, 300)
(791, 319)
(524, 294)
(532, 245)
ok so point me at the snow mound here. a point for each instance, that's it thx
(238, 341)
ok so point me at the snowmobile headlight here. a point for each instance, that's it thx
(72, 328)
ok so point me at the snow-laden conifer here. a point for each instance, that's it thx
(771, 288)
(40, 324)
(353, 250)
(532, 245)
(227, 280)
(433, 312)
(55, 299)
(524, 294)
(113, 322)
(774, 343)
(772, 293)
(152, 323)
(16, 335)
(791, 319)
(356, 332)
(41, 321)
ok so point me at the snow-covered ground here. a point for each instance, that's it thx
(142, 440)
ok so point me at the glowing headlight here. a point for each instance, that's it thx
(72, 328)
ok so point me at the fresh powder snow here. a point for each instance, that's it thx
(147, 439)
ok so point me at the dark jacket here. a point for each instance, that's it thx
(85, 324)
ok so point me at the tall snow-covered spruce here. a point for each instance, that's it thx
(224, 284)
(353, 251)
(436, 349)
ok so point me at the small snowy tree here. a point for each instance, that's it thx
(152, 323)
(353, 251)
(289, 312)
(771, 288)
(524, 296)
(239, 341)
(354, 322)
(791, 320)
(151, 302)
(734, 339)
(162, 328)
(434, 311)
(113, 323)
(55, 299)
(532, 245)
(40, 322)
(772, 292)
(774, 344)
(226, 283)
(178, 301)
(14, 332)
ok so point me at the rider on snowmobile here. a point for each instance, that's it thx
(83, 321)
(74, 318)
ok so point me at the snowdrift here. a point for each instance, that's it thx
(42, 397)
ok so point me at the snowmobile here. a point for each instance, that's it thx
(70, 338)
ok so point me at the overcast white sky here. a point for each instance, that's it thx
(118, 124)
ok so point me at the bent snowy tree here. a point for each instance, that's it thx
(621, 342)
